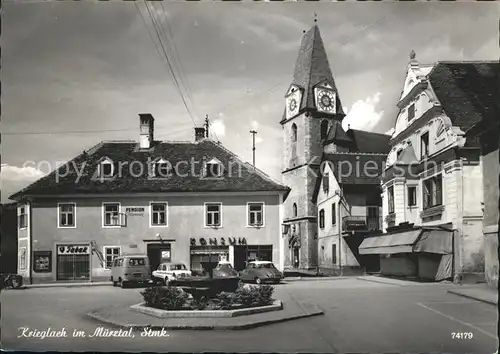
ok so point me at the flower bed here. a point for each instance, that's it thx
(175, 299)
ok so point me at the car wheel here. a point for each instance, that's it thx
(258, 281)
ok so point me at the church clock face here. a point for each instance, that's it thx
(326, 101)
(292, 104)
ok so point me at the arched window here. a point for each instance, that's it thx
(324, 129)
(294, 133)
(294, 210)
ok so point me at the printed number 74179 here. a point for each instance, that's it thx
(462, 335)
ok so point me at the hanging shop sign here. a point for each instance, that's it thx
(165, 254)
(73, 249)
(212, 241)
(131, 211)
(42, 261)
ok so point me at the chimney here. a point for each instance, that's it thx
(199, 133)
(146, 130)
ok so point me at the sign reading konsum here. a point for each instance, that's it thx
(73, 249)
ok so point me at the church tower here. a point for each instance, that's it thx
(312, 109)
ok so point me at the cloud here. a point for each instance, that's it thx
(389, 132)
(258, 139)
(255, 125)
(218, 128)
(363, 114)
(14, 173)
(13, 179)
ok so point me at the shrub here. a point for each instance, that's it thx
(199, 303)
(165, 298)
(224, 301)
(254, 296)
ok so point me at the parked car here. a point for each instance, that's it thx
(261, 272)
(130, 269)
(224, 269)
(170, 271)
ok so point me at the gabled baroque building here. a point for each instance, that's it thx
(314, 145)
(432, 183)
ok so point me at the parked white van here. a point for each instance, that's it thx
(130, 269)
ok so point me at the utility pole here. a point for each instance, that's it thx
(206, 126)
(253, 132)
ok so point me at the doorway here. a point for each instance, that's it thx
(296, 257)
(158, 253)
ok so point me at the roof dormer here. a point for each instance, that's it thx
(213, 169)
(161, 168)
(105, 168)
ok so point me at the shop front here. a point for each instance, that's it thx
(206, 253)
(73, 262)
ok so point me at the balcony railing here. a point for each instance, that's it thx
(360, 223)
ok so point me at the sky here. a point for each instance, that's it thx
(76, 73)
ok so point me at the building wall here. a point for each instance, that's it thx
(8, 230)
(185, 221)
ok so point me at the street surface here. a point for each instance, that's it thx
(360, 316)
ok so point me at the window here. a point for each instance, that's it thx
(334, 254)
(390, 192)
(158, 214)
(326, 182)
(22, 258)
(412, 196)
(432, 192)
(213, 168)
(110, 254)
(424, 148)
(322, 219)
(137, 262)
(106, 168)
(334, 213)
(324, 129)
(400, 151)
(294, 133)
(22, 217)
(111, 214)
(411, 112)
(255, 214)
(213, 214)
(294, 210)
(67, 215)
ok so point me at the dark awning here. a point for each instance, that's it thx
(401, 242)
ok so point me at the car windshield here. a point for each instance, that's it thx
(177, 267)
(266, 265)
(137, 261)
(225, 266)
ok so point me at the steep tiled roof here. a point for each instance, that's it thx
(187, 160)
(356, 168)
(312, 68)
(467, 91)
(368, 142)
(353, 169)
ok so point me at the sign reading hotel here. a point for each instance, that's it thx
(73, 249)
(135, 211)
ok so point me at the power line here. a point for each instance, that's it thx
(84, 131)
(169, 35)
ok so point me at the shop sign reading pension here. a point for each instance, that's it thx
(73, 249)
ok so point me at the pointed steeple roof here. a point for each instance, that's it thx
(312, 68)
